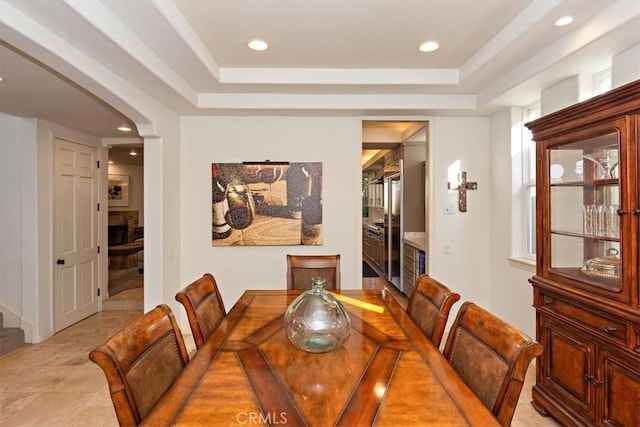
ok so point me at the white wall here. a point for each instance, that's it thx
(162, 207)
(26, 226)
(336, 143)
(462, 141)
(511, 294)
(625, 67)
(560, 95)
(180, 165)
(332, 141)
(18, 222)
(33, 140)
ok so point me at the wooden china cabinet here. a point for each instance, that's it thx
(586, 282)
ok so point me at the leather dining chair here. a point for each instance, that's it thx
(204, 306)
(140, 363)
(492, 357)
(301, 268)
(429, 306)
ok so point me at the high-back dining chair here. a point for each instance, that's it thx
(204, 306)
(429, 306)
(141, 362)
(301, 268)
(492, 357)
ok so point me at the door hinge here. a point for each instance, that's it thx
(98, 162)
(98, 249)
(98, 207)
(98, 291)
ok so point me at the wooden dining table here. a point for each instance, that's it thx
(387, 373)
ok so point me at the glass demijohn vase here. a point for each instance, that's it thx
(316, 321)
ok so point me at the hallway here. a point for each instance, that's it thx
(126, 290)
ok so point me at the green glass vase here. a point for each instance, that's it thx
(316, 321)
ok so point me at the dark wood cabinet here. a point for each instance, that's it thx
(586, 284)
(621, 390)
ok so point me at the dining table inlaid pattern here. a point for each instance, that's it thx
(386, 373)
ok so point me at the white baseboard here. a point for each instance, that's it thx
(13, 320)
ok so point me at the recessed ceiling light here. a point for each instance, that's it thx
(565, 20)
(258, 45)
(429, 46)
(110, 162)
(124, 128)
(133, 152)
(0, 78)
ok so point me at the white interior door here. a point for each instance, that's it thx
(75, 233)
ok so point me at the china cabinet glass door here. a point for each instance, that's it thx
(584, 202)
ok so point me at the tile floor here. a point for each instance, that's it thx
(55, 384)
(122, 279)
(132, 299)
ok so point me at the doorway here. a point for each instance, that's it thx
(394, 155)
(75, 237)
(125, 228)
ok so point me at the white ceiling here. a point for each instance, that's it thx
(347, 57)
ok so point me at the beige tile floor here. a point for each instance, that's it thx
(55, 384)
(132, 299)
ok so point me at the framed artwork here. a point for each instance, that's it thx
(266, 204)
(118, 188)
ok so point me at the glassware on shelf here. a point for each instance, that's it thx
(589, 219)
(316, 321)
(613, 170)
(606, 268)
(601, 220)
(613, 221)
(607, 162)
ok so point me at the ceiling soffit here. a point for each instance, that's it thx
(179, 53)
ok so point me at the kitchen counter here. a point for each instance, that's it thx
(415, 239)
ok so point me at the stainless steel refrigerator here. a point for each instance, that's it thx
(393, 222)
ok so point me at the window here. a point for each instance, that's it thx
(601, 84)
(530, 113)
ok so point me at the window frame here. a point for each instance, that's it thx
(524, 247)
(528, 249)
